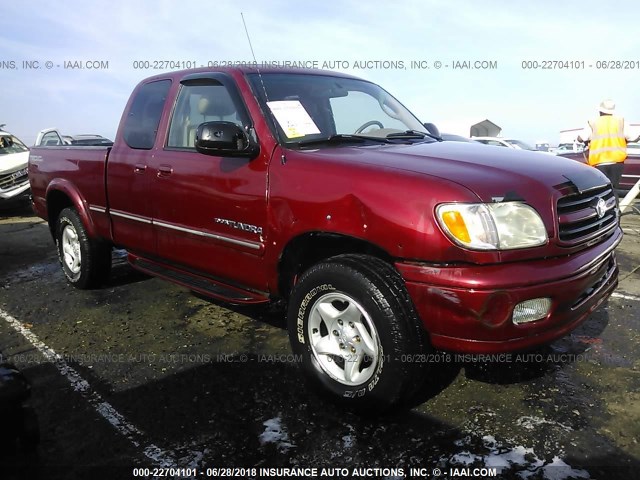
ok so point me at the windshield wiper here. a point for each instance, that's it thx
(340, 139)
(413, 134)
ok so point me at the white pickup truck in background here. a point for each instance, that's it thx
(51, 136)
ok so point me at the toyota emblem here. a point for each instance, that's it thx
(601, 208)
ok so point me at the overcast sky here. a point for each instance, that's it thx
(528, 104)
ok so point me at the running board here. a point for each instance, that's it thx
(204, 285)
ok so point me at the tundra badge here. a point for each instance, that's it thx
(239, 225)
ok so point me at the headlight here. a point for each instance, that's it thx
(492, 226)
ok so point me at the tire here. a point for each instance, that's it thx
(353, 324)
(86, 262)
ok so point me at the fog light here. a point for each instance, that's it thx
(531, 310)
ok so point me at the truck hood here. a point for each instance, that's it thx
(13, 161)
(492, 173)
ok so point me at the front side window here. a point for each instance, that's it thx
(307, 108)
(199, 103)
(143, 118)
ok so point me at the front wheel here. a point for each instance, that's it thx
(353, 324)
(86, 262)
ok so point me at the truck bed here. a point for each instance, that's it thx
(83, 167)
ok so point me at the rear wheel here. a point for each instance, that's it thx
(353, 324)
(86, 262)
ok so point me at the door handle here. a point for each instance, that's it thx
(139, 168)
(164, 170)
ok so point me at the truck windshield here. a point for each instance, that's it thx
(306, 109)
(10, 144)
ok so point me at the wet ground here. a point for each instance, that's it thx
(142, 373)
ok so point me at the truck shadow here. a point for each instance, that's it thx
(16, 210)
(438, 377)
(506, 369)
(528, 365)
(121, 272)
(254, 412)
(273, 314)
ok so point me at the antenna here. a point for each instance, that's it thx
(283, 158)
(264, 89)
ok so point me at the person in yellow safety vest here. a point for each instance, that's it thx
(608, 142)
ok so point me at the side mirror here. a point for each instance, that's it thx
(432, 129)
(225, 139)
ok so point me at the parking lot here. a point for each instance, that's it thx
(143, 374)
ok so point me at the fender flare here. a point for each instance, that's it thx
(77, 199)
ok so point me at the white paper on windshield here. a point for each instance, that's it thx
(293, 118)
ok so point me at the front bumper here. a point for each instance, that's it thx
(469, 308)
(16, 192)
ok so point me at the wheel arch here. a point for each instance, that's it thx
(62, 194)
(310, 248)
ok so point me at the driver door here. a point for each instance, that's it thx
(209, 211)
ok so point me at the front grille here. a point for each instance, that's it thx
(13, 179)
(578, 218)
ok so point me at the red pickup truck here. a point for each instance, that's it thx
(322, 190)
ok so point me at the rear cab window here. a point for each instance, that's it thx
(143, 118)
